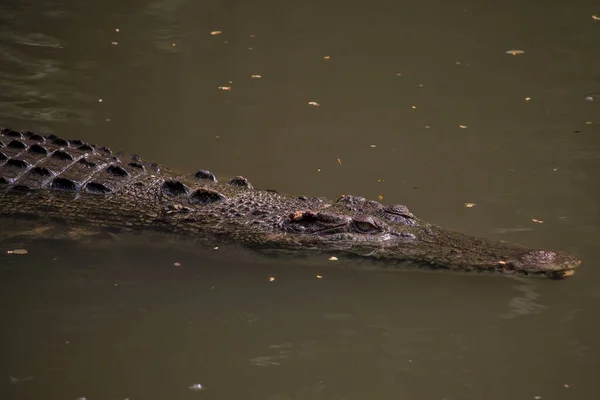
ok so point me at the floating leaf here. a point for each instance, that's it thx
(514, 52)
(314, 103)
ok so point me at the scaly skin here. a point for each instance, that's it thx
(48, 177)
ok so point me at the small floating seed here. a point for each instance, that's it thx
(17, 251)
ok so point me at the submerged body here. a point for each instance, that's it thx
(49, 177)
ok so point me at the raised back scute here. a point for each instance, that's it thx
(241, 182)
(206, 196)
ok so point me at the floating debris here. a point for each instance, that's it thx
(173, 44)
(215, 33)
(527, 98)
(216, 248)
(596, 17)
(114, 43)
(462, 126)
(414, 107)
(117, 30)
(339, 161)
(333, 258)
(196, 387)
(539, 221)
(225, 88)
(271, 278)
(589, 98)
(319, 276)
(100, 100)
(327, 57)
(17, 251)
(255, 76)
(373, 145)
(469, 205)
(514, 52)
(313, 103)
(177, 264)
(380, 197)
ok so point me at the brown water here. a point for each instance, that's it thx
(394, 81)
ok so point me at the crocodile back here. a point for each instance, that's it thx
(30, 161)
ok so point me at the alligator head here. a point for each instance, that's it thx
(367, 228)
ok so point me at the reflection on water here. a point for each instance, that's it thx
(36, 87)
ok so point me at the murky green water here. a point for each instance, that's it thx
(417, 103)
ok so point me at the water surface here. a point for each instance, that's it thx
(412, 103)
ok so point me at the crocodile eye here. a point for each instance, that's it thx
(365, 227)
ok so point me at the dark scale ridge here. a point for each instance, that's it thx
(117, 171)
(34, 137)
(89, 164)
(136, 165)
(206, 196)
(241, 182)
(63, 184)
(17, 144)
(175, 188)
(17, 163)
(84, 184)
(206, 175)
(61, 142)
(95, 187)
(11, 133)
(42, 171)
(36, 148)
(62, 155)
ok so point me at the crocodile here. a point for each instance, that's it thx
(48, 177)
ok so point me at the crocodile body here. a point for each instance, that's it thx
(44, 176)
